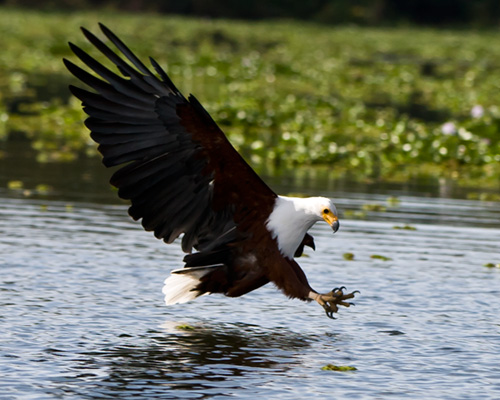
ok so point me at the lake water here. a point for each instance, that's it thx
(82, 315)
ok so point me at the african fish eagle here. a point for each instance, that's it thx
(183, 176)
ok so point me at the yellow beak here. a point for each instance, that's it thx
(331, 219)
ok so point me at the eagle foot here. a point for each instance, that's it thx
(331, 300)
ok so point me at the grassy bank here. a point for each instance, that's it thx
(372, 103)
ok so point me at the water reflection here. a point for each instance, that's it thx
(184, 361)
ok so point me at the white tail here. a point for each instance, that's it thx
(180, 286)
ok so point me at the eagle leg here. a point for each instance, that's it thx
(331, 300)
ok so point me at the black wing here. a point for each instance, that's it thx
(181, 173)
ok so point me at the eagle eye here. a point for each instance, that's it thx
(326, 211)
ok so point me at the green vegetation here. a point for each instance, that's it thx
(484, 196)
(393, 201)
(354, 214)
(185, 327)
(369, 103)
(14, 185)
(405, 227)
(342, 368)
(380, 257)
(374, 207)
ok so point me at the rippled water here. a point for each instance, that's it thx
(81, 313)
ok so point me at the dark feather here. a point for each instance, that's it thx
(100, 102)
(119, 83)
(307, 241)
(124, 49)
(126, 95)
(115, 138)
(132, 117)
(96, 125)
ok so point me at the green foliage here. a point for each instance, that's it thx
(341, 368)
(369, 103)
(405, 227)
(375, 207)
(380, 257)
(393, 201)
(185, 327)
(355, 214)
(56, 129)
(15, 185)
(484, 196)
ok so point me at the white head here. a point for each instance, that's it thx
(292, 217)
(319, 208)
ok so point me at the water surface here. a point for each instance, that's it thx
(81, 310)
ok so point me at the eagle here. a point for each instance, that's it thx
(184, 179)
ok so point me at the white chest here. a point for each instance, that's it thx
(290, 220)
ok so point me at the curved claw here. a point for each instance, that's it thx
(329, 311)
(330, 301)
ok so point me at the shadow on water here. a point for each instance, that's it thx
(185, 361)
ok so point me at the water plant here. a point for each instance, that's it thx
(380, 257)
(370, 103)
(342, 368)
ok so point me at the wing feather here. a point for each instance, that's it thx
(178, 169)
(121, 84)
(127, 93)
(100, 102)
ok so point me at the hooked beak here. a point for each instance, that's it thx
(335, 225)
(332, 220)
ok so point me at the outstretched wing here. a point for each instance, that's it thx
(180, 172)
